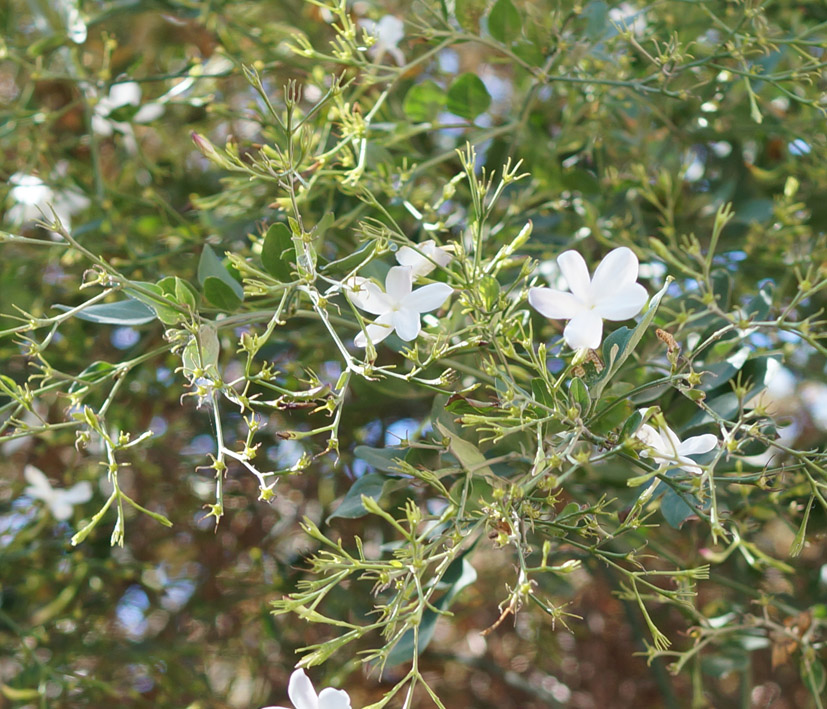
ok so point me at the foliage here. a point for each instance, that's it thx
(178, 328)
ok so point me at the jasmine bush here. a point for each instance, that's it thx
(453, 333)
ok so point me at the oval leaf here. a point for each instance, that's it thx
(278, 255)
(468, 97)
(219, 294)
(504, 22)
(124, 312)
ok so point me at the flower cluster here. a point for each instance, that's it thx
(59, 502)
(664, 446)
(399, 307)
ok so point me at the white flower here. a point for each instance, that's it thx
(664, 446)
(59, 502)
(32, 199)
(389, 32)
(301, 693)
(398, 307)
(424, 258)
(127, 93)
(627, 15)
(611, 294)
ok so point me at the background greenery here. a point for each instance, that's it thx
(632, 135)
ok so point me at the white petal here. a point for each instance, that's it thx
(671, 443)
(40, 488)
(60, 509)
(584, 330)
(649, 437)
(407, 325)
(126, 93)
(689, 465)
(366, 295)
(78, 493)
(301, 692)
(398, 283)
(576, 273)
(698, 444)
(555, 304)
(101, 125)
(377, 331)
(148, 112)
(625, 303)
(619, 268)
(390, 30)
(334, 699)
(424, 258)
(428, 298)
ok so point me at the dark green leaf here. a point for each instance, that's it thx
(675, 510)
(371, 485)
(504, 22)
(469, 13)
(579, 396)
(383, 459)
(209, 265)
(221, 295)
(424, 101)
(278, 254)
(468, 97)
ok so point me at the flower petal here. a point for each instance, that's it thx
(624, 303)
(428, 298)
(125, 93)
(649, 437)
(366, 295)
(424, 258)
(60, 509)
(78, 493)
(40, 487)
(301, 692)
(689, 465)
(619, 268)
(698, 444)
(334, 699)
(398, 283)
(555, 304)
(576, 273)
(407, 325)
(377, 331)
(584, 330)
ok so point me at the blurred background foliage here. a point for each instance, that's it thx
(634, 121)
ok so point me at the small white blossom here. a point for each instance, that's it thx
(611, 294)
(127, 93)
(664, 446)
(59, 502)
(33, 199)
(301, 693)
(398, 307)
(389, 32)
(424, 258)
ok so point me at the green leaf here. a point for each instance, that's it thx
(675, 510)
(504, 22)
(459, 575)
(278, 254)
(424, 101)
(468, 97)
(579, 396)
(468, 455)
(201, 352)
(383, 459)
(166, 313)
(759, 307)
(371, 485)
(124, 312)
(210, 266)
(469, 13)
(351, 261)
(622, 342)
(813, 674)
(221, 295)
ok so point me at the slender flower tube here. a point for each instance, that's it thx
(611, 294)
(301, 693)
(398, 307)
